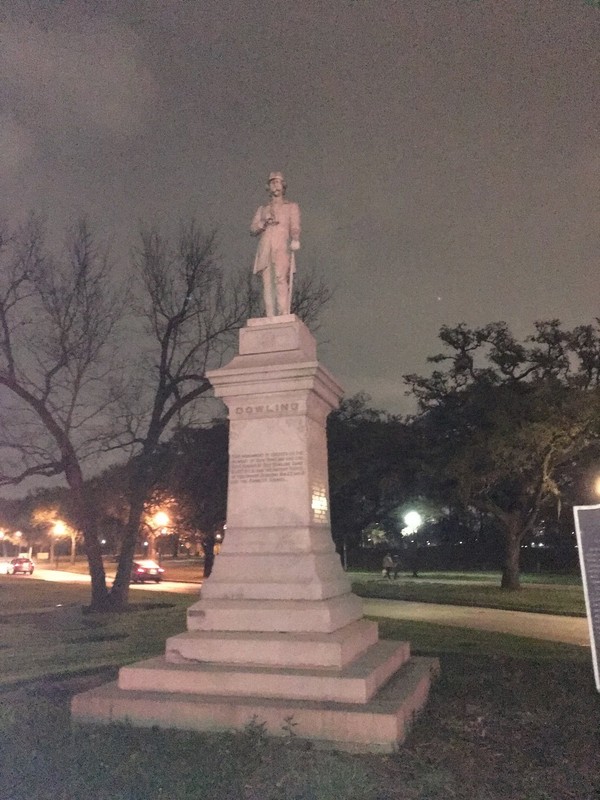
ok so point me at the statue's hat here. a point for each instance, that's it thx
(273, 176)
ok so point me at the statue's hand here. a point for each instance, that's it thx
(294, 244)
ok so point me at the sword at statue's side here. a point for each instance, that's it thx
(291, 281)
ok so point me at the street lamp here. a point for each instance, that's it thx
(413, 521)
(157, 524)
(58, 529)
(161, 519)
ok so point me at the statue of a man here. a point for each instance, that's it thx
(278, 227)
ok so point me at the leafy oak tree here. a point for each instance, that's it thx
(499, 419)
(371, 467)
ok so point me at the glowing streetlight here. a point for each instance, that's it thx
(161, 519)
(58, 529)
(157, 524)
(413, 521)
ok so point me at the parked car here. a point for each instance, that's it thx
(146, 570)
(20, 565)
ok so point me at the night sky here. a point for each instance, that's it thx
(445, 153)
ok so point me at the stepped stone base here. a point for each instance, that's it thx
(377, 726)
(274, 649)
(355, 683)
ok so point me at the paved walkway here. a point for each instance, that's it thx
(571, 630)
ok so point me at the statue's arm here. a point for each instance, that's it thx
(257, 225)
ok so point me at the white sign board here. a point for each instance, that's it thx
(587, 527)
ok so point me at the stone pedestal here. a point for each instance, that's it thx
(277, 633)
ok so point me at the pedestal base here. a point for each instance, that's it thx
(378, 726)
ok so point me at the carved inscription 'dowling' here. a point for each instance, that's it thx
(265, 467)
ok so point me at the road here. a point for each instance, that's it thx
(63, 576)
(571, 630)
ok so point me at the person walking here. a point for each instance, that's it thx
(388, 566)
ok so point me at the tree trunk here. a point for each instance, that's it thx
(100, 598)
(119, 594)
(151, 551)
(512, 554)
(209, 554)
(86, 514)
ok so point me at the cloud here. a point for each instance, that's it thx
(16, 145)
(88, 77)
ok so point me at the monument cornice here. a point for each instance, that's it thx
(262, 380)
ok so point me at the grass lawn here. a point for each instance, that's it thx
(510, 718)
(44, 631)
(560, 598)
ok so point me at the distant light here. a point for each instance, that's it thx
(413, 519)
(161, 519)
(103, 541)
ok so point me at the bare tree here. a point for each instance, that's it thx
(57, 320)
(190, 316)
(187, 316)
(310, 296)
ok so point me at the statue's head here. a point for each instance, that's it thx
(276, 177)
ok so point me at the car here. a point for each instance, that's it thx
(20, 565)
(146, 570)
